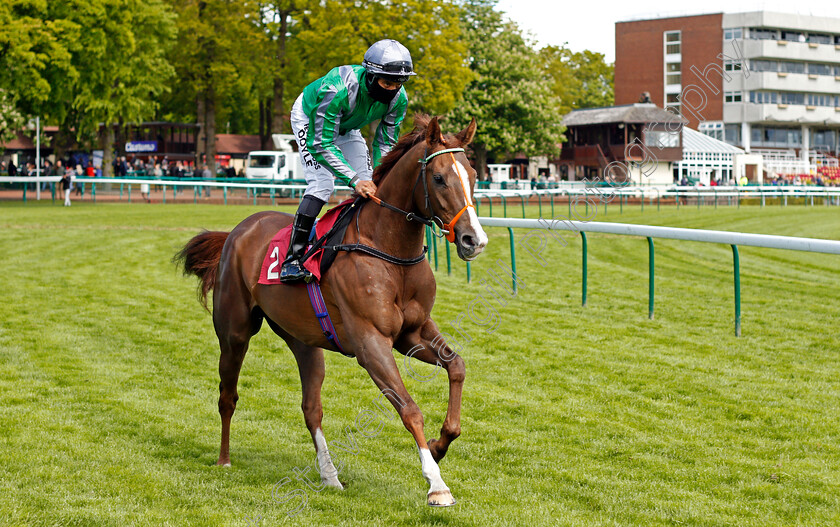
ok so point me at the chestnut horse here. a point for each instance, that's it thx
(375, 306)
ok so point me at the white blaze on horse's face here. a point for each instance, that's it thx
(472, 240)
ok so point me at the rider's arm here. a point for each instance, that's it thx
(388, 130)
(323, 128)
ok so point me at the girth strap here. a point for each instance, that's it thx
(320, 308)
(373, 251)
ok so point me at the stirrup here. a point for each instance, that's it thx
(292, 272)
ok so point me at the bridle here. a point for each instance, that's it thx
(445, 229)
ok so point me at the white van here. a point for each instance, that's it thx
(273, 166)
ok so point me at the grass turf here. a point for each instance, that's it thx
(571, 415)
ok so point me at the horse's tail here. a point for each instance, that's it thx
(200, 257)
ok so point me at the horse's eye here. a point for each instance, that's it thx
(439, 180)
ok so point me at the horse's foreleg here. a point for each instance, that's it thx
(428, 346)
(311, 366)
(375, 356)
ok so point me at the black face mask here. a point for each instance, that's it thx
(378, 93)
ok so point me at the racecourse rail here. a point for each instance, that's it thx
(733, 239)
(604, 195)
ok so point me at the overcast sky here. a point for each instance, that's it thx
(590, 24)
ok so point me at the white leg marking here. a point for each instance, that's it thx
(439, 495)
(329, 474)
(431, 471)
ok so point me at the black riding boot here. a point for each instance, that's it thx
(293, 270)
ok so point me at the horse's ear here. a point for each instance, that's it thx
(466, 135)
(433, 135)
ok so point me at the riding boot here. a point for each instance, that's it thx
(292, 269)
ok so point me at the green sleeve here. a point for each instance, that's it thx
(323, 128)
(388, 131)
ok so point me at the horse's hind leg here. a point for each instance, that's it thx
(310, 362)
(311, 365)
(427, 345)
(234, 327)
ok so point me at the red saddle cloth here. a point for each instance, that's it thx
(279, 246)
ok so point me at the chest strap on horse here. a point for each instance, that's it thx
(320, 308)
(373, 251)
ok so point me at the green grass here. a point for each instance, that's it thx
(571, 415)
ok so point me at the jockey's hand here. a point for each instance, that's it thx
(366, 189)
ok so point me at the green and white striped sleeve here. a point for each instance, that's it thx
(324, 124)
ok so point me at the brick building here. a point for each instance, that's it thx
(758, 80)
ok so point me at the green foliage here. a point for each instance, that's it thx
(339, 32)
(121, 61)
(11, 119)
(35, 62)
(578, 79)
(509, 95)
(217, 51)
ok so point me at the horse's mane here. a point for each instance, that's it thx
(406, 142)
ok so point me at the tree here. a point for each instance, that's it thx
(35, 52)
(336, 32)
(579, 79)
(216, 43)
(509, 96)
(121, 65)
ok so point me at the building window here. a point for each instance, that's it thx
(764, 97)
(712, 129)
(820, 69)
(792, 67)
(672, 42)
(732, 96)
(776, 137)
(732, 134)
(662, 139)
(791, 98)
(732, 33)
(763, 34)
(732, 65)
(823, 138)
(815, 38)
(821, 99)
(793, 36)
(764, 65)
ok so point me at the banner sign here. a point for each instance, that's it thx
(139, 147)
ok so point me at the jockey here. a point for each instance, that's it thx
(326, 119)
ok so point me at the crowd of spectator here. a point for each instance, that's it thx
(159, 168)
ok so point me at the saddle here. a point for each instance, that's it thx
(327, 234)
(326, 241)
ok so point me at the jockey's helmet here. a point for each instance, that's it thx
(390, 60)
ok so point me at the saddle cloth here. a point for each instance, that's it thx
(320, 261)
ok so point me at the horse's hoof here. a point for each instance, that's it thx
(440, 498)
(334, 483)
(225, 464)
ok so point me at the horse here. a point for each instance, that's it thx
(375, 305)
